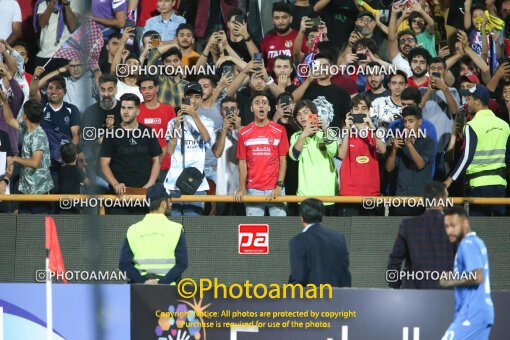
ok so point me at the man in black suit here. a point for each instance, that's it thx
(422, 243)
(318, 255)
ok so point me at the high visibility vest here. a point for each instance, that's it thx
(153, 241)
(492, 135)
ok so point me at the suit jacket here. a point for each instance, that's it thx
(423, 244)
(259, 21)
(319, 255)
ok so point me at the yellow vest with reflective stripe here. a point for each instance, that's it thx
(492, 135)
(153, 241)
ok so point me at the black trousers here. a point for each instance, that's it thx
(487, 191)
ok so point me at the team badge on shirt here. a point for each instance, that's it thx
(288, 43)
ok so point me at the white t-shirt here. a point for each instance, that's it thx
(123, 88)
(10, 12)
(194, 153)
(383, 111)
(48, 41)
(228, 165)
(79, 92)
(402, 64)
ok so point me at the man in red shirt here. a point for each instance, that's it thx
(281, 40)
(262, 151)
(419, 59)
(156, 115)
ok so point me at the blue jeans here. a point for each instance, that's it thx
(189, 208)
(258, 209)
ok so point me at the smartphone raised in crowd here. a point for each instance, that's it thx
(315, 22)
(436, 74)
(239, 19)
(285, 99)
(186, 101)
(313, 118)
(227, 70)
(155, 40)
(257, 57)
(358, 118)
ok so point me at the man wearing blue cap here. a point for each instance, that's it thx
(486, 154)
(155, 248)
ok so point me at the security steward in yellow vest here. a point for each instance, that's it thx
(155, 248)
(486, 154)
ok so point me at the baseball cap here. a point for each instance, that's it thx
(469, 77)
(193, 87)
(478, 91)
(364, 13)
(158, 191)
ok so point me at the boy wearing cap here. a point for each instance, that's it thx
(155, 250)
(486, 153)
(197, 131)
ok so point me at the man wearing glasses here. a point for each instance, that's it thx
(78, 84)
(399, 45)
(366, 25)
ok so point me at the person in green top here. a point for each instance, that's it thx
(423, 27)
(315, 153)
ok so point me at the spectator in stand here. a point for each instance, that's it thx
(385, 110)
(210, 15)
(110, 14)
(56, 20)
(412, 158)
(259, 17)
(399, 45)
(6, 170)
(78, 84)
(10, 17)
(423, 27)
(71, 176)
(166, 22)
(331, 100)
(130, 159)
(171, 86)
(315, 154)
(111, 47)
(375, 80)
(97, 117)
(281, 40)
(370, 26)
(419, 59)
(185, 37)
(439, 103)
(283, 70)
(238, 36)
(475, 30)
(358, 152)
(35, 177)
(15, 98)
(146, 45)
(156, 115)
(210, 108)
(20, 52)
(224, 150)
(303, 8)
(422, 243)
(486, 154)
(127, 76)
(144, 10)
(196, 131)
(259, 81)
(283, 116)
(262, 151)
(305, 39)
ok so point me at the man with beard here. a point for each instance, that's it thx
(366, 25)
(130, 159)
(171, 86)
(385, 110)
(399, 45)
(281, 40)
(185, 40)
(485, 156)
(419, 59)
(95, 118)
(375, 79)
(127, 75)
(474, 310)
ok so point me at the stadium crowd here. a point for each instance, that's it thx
(261, 98)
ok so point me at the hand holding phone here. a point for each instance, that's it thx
(358, 118)
(155, 40)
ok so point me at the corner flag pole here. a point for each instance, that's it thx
(49, 302)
